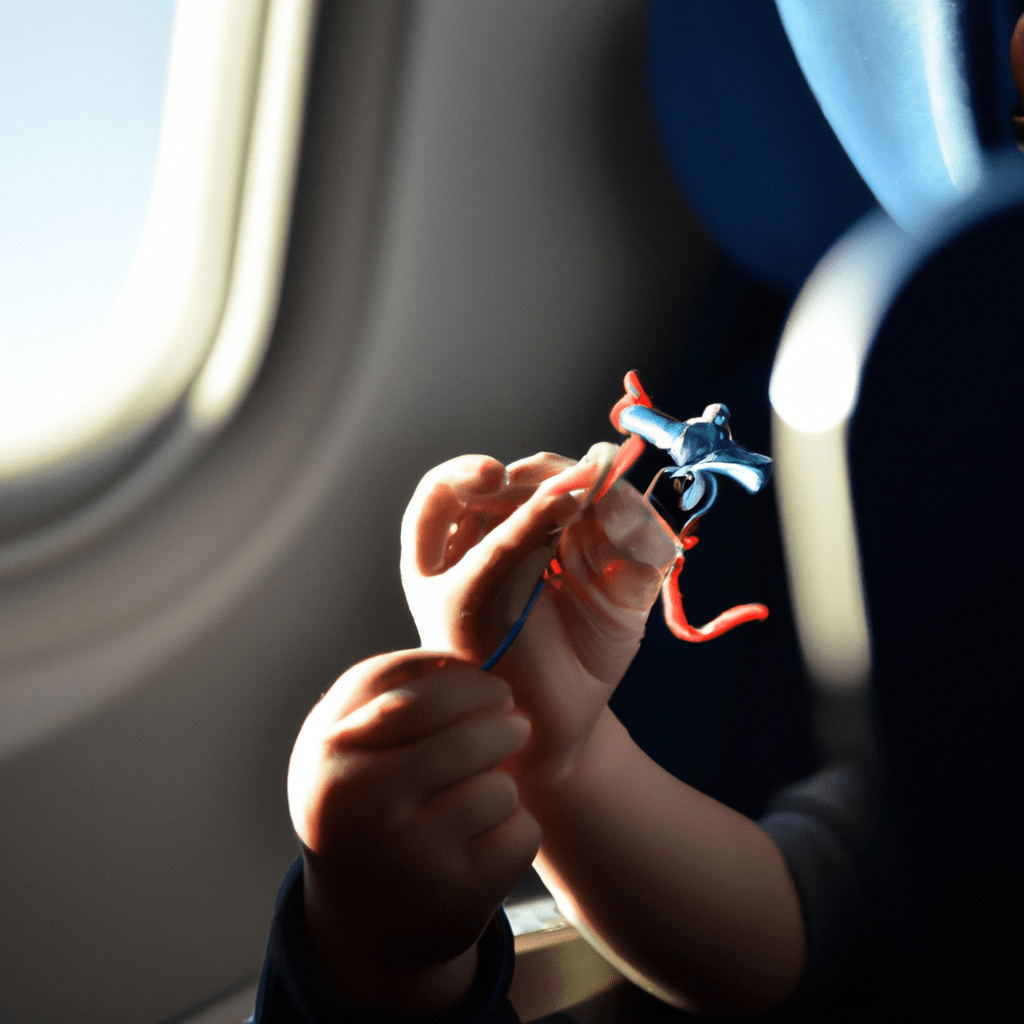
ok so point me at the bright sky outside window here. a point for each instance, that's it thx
(82, 87)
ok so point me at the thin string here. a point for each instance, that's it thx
(514, 631)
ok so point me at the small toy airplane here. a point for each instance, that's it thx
(701, 450)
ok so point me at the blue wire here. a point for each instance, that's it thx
(514, 631)
(517, 626)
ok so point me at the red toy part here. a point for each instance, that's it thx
(632, 448)
(675, 617)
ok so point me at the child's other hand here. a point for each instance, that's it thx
(476, 539)
(412, 835)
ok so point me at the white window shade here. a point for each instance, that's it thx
(187, 332)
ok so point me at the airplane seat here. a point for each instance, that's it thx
(746, 139)
(936, 483)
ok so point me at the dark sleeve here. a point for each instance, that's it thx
(292, 991)
(828, 830)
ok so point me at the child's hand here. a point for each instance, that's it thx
(476, 539)
(690, 899)
(412, 836)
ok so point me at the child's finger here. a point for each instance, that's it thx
(503, 854)
(459, 502)
(511, 558)
(374, 676)
(461, 751)
(556, 499)
(421, 707)
(484, 512)
(473, 807)
(616, 557)
(526, 475)
(634, 528)
(445, 498)
(604, 581)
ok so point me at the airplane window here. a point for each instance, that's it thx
(81, 96)
(144, 191)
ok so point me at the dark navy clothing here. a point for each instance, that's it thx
(293, 991)
(935, 467)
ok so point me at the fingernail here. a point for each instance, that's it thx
(486, 479)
